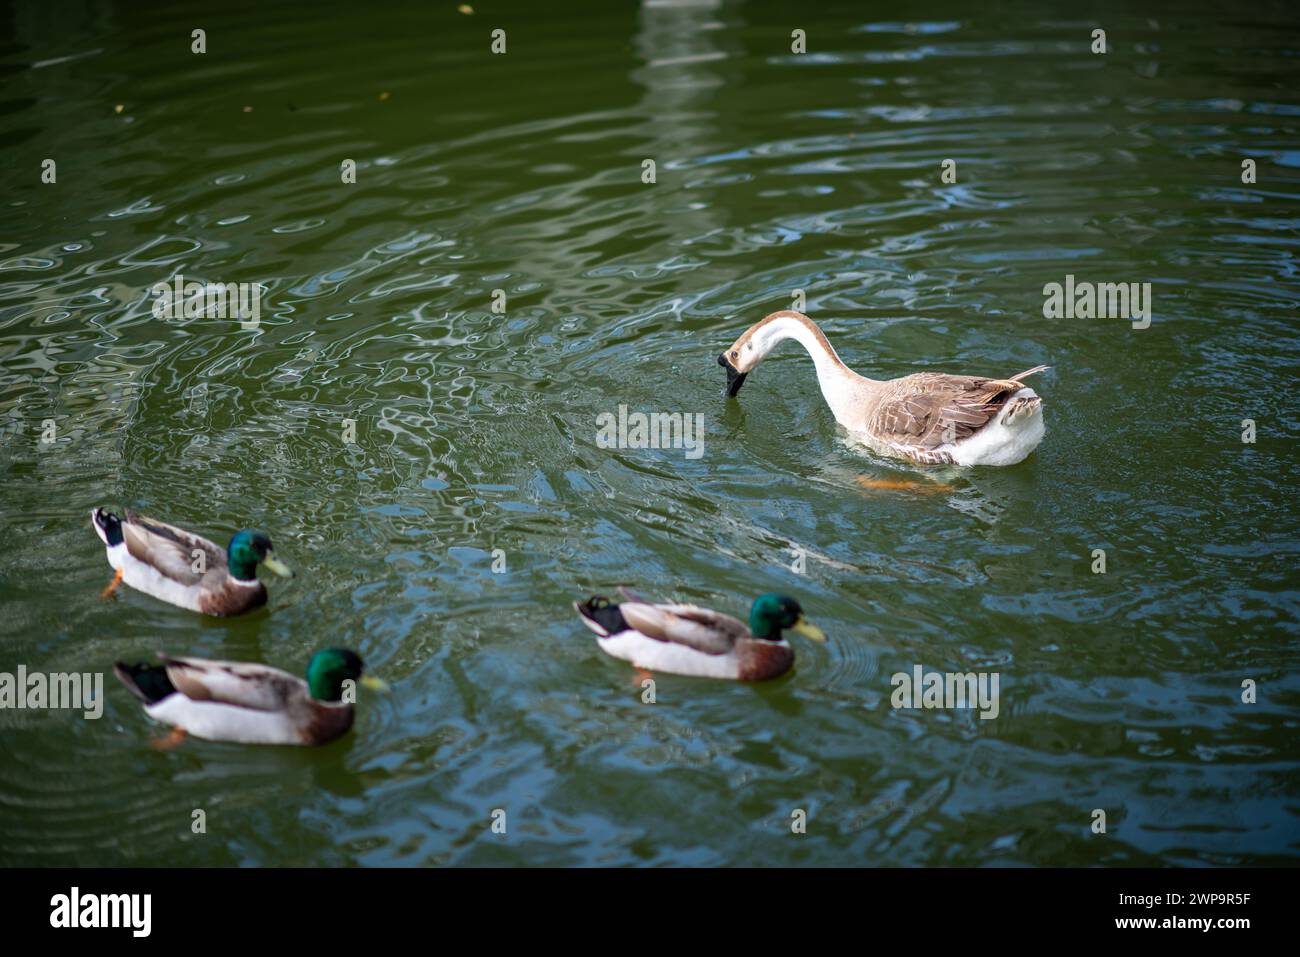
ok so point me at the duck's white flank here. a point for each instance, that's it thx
(668, 656)
(149, 580)
(215, 721)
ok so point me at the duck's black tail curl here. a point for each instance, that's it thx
(601, 615)
(107, 526)
(149, 683)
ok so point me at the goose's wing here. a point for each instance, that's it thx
(173, 551)
(700, 628)
(931, 409)
(257, 687)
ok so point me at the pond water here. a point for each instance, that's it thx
(447, 543)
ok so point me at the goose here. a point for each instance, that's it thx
(929, 418)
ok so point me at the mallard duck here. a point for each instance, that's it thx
(931, 418)
(689, 640)
(249, 703)
(183, 568)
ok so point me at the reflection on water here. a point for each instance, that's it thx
(475, 430)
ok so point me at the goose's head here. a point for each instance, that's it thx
(753, 346)
(739, 360)
(734, 379)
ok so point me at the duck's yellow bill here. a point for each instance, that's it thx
(806, 628)
(373, 683)
(277, 566)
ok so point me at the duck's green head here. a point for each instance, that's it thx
(247, 549)
(773, 613)
(329, 668)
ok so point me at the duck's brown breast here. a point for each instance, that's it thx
(327, 722)
(760, 660)
(232, 599)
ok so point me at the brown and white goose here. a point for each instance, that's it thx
(931, 418)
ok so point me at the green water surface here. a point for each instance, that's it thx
(476, 430)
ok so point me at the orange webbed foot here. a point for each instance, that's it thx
(169, 742)
(112, 586)
(894, 485)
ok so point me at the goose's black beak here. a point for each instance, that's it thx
(734, 379)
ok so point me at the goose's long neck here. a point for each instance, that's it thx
(844, 390)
